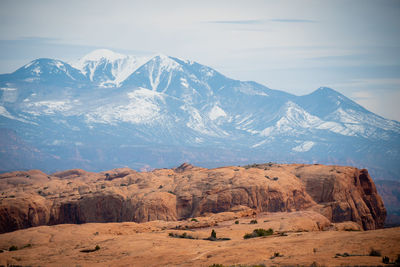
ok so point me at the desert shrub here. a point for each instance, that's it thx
(397, 261)
(259, 232)
(160, 187)
(13, 248)
(253, 222)
(276, 254)
(171, 192)
(236, 222)
(184, 235)
(194, 220)
(213, 234)
(216, 265)
(123, 185)
(213, 237)
(275, 179)
(342, 255)
(374, 253)
(385, 260)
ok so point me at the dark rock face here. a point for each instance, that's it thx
(339, 193)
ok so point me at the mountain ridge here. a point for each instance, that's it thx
(179, 110)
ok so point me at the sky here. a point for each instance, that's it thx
(291, 45)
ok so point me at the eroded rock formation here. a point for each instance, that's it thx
(339, 193)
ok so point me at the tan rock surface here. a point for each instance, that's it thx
(148, 244)
(75, 196)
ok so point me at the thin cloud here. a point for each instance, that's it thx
(245, 22)
(260, 21)
(293, 20)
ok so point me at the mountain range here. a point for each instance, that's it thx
(110, 110)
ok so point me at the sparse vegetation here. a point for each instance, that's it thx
(374, 253)
(385, 260)
(259, 232)
(352, 230)
(397, 261)
(194, 220)
(91, 250)
(213, 237)
(253, 222)
(342, 255)
(13, 248)
(160, 187)
(123, 185)
(236, 222)
(213, 234)
(276, 255)
(184, 235)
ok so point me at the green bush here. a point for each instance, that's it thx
(259, 232)
(236, 222)
(253, 222)
(194, 220)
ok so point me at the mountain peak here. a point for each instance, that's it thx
(326, 90)
(99, 54)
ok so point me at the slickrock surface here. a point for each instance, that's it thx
(340, 194)
(296, 238)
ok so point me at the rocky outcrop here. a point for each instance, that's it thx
(339, 193)
(344, 194)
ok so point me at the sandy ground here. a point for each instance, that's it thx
(148, 244)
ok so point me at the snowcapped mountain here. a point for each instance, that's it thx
(106, 68)
(108, 110)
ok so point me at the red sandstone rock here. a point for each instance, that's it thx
(75, 196)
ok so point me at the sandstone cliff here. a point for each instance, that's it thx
(34, 198)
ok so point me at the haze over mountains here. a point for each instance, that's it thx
(109, 110)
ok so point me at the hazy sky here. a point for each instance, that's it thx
(295, 46)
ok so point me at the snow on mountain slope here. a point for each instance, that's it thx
(113, 107)
(47, 70)
(143, 106)
(108, 68)
(292, 119)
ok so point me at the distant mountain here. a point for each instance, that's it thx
(109, 110)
